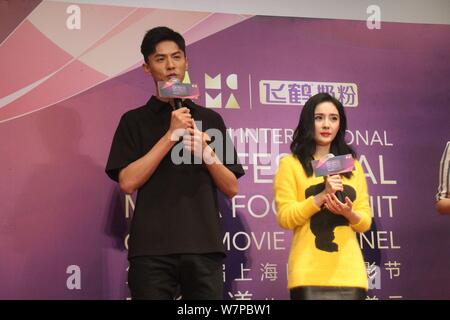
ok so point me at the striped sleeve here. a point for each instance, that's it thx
(444, 175)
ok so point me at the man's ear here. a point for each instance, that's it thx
(146, 68)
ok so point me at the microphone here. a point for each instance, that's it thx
(174, 89)
(178, 103)
(339, 194)
(330, 165)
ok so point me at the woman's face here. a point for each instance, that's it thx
(326, 123)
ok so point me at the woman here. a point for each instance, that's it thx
(325, 260)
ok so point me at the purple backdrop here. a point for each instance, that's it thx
(59, 209)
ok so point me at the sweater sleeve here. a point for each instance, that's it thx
(361, 204)
(293, 210)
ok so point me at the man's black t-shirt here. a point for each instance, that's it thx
(176, 210)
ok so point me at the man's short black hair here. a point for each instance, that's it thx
(156, 35)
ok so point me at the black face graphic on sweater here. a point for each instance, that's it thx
(324, 221)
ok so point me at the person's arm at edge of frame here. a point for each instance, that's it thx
(442, 197)
(443, 206)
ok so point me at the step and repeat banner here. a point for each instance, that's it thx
(68, 72)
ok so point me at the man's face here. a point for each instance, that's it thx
(168, 61)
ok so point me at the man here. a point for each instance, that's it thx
(443, 195)
(175, 241)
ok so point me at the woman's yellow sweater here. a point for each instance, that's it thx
(324, 250)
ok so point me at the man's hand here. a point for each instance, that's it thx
(180, 121)
(196, 142)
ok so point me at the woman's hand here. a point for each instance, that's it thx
(335, 206)
(333, 183)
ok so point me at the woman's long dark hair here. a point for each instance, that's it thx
(303, 144)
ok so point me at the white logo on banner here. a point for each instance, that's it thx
(213, 98)
(296, 93)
